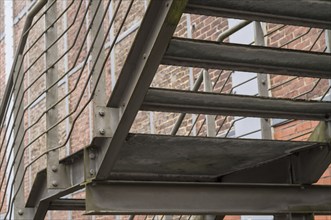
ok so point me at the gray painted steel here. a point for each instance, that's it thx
(55, 172)
(67, 204)
(304, 167)
(20, 49)
(150, 44)
(299, 12)
(18, 149)
(282, 170)
(199, 198)
(208, 54)
(262, 79)
(196, 158)
(294, 217)
(238, 105)
(182, 155)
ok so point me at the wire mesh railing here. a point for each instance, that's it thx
(35, 49)
(313, 86)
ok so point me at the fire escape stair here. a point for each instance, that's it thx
(189, 160)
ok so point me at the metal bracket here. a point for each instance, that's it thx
(57, 177)
(90, 156)
(104, 121)
(25, 213)
(101, 125)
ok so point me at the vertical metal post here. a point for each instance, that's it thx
(210, 119)
(262, 80)
(18, 131)
(55, 174)
(101, 114)
(99, 98)
(328, 49)
(66, 78)
(191, 76)
(112, 54)
(66, 85)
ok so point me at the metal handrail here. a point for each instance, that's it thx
(80, 98)
(20, 124)
(20, 48)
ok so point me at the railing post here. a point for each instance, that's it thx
(56, 175)
(18, 150)
(262, 80)
(101, 113)
(99, 98)
(328, 49)
(210, 119)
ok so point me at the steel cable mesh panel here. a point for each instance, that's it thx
(291, 38)
(69, 54)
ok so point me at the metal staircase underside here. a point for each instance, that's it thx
(158, 174)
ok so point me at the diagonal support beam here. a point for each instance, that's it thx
(200, 198)
(300, 12)
(239, 105)
(208, 54)
(150, 44)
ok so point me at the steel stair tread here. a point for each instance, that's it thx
(183, 155)
(225, 56)
(167, 100)
(299, 12)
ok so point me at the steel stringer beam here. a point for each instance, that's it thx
(156, 30)
(239, 105)
(300, 12)
(201, 198)
(209, 54)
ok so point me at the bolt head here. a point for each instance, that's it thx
(92, 156)
(54, 183)
(20, 212)
(54, 168)
(102, 131)
(101, 113)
